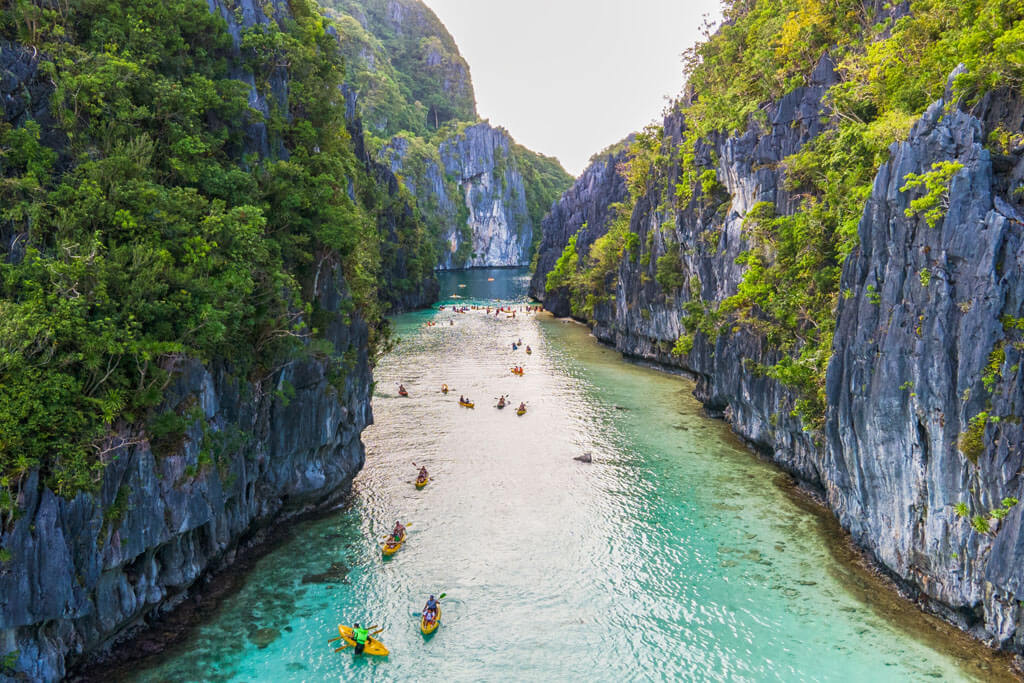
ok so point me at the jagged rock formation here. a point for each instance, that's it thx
(87, 570)
(926, 343)
(584, 210)
(480, 194)
(79, 574)
(924, 395)
(470, 188)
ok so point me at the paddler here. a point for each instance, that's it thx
(398, 532)
(522, 406)
(423, 474)
(430, 610)
(360, 635)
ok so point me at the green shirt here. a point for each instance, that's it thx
(361, 634)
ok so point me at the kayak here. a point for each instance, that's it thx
(426, 628)
(403, 393)
(390, 547)
(373, 646)
(420, 483)
(518, 372)
(444, 388)
(464, 404)
(521, 411)
(499, 406)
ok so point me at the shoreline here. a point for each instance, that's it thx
(157, 635)
(847, 552)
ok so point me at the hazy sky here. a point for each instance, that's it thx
(570, 77)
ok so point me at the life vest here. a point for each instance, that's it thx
(361, 635)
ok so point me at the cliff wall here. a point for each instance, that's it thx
(227, 454)
(471, 190)
(919, 450)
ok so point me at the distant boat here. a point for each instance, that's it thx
(462, 286)
(490, 279)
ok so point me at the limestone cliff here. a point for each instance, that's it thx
(238, 453)
(919, 451)
(471, 190)
(585, 210)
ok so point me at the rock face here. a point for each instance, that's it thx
(585, 211)
(926, 344)
(924, 393)
(471, 188)
(78, 575)
(84, 571)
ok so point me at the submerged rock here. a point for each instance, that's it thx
(336, 573)
(586, 457)
(263, 637)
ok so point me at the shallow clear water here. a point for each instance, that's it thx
(676, 555)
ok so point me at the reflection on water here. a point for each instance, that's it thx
(675, 555)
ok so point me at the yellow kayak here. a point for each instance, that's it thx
(466, 405)
(521, 411)
(420, 483)
(373, 646)
(444, 388)
(428, 628)
(392, 547)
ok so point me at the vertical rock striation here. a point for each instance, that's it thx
(585, 210)
(926, 353)
(471, 190)
(85, 572)
(922, 438)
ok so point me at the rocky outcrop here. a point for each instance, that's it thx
(924, 389)
(233, 456)
(585, 210)
(395, 216)
(471, 190)
(83, 573)
(920, 452)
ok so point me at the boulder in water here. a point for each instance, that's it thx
(586, 457)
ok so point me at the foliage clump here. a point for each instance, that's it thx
(163, 229)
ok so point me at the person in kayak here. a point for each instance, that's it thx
(522, 406)
(398, 532)
(423, 474)
(361, 636)
(528, 349)
(401, 389)
(430, 609)
(501, 402)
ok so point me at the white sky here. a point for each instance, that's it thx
(569, 77)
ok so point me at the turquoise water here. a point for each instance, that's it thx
(675, 555)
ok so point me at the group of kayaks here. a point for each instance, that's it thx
(372, 646)
(390, 547)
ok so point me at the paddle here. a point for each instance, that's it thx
(379, 629)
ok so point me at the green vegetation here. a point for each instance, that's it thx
(405, 64)
(158, 233)
(935, 201)
(890, 71)
(972, 441)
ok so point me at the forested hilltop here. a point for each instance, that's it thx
(826, 230)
